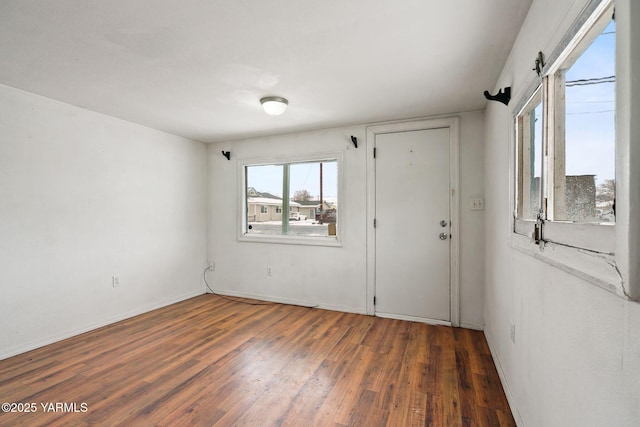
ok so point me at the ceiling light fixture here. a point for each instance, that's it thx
(274, 105)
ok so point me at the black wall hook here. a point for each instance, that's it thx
(501, 96)
(354, 140)
(539, 64)
(227, 154)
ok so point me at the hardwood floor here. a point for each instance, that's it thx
(208, 361)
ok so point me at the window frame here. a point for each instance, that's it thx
(521, 225)
(242, 236)
(616, 273)
(596, 237)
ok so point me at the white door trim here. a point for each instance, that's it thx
(454, 143)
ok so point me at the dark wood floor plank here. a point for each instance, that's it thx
(209, 361)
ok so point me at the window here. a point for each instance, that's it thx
(303, 195)
(528, 168)
(565, 142)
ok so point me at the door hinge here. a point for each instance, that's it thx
(374, 300)
(374, 223)
(374, 152)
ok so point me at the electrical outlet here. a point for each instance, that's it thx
(115, 281)
(269, 271)
(513, 333)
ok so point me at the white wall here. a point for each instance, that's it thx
(472, 235)
(332, 277)
(576, 357)
(83, 197)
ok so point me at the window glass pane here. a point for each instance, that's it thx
(587, 193)
(264, 199)
(530, 158)
(312, 199)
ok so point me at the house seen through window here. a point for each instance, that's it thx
(292, 199)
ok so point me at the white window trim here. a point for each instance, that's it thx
(576, 255)
(522, 225)
(335, 241)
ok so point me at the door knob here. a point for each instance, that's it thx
(443, 236)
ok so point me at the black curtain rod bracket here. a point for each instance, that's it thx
(354, 140)
(227, 154)
(501, 96)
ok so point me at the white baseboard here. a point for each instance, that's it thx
(290, 301)
(471, 325)
(414, 319)
(343, 309)
(503, 379)
(71, 333)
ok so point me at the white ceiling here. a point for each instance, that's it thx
(198, 68)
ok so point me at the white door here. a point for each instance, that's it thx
(412, 188)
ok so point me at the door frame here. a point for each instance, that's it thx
(453, 123)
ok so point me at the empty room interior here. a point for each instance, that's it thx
(320, 213)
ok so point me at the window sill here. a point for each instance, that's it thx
(595, 268)
(599, 238)
(291, 240)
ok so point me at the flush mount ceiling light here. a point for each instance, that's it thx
(274, 105)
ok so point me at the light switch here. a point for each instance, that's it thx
(477, 204)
